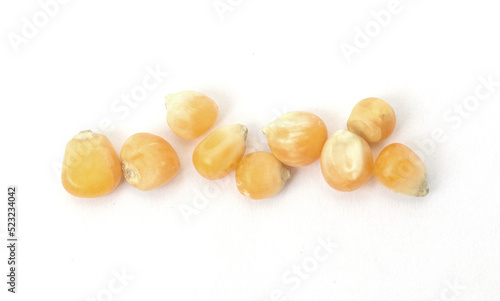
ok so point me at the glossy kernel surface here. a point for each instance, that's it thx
(401, 170)
(148, 161)
(220, 152)
(260, 175)
(91, 167)
(190, 114)
(373, 119)
(296, 138)
(346, 161)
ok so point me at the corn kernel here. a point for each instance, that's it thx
(219, 153)
(148, 161)
(91, 167)
(260, 175)
(401, 170)
(190, 114)
(346, 161)
(296, 138)
(373, 119)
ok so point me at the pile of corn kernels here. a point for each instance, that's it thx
(92, 167)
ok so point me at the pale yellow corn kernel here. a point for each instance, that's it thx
(190, 114)
(91, 167)
(401, 170)
(260, 175)
(220, 152)
(346, 161)
(296, 138)
(148, 161)
(373, 119)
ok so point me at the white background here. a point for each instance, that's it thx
(261, 59)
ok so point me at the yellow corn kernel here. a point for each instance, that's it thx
(148, 161)
(401, 170)
(190, 114)
(373, 119)
(260, 175)
(346, 161)
(221, 151)
(91, 167)
(296, 138)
